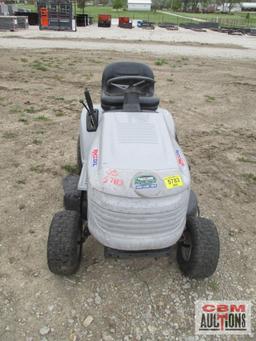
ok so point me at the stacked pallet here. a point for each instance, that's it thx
(22, 21)
(12, 23)
(8, 23)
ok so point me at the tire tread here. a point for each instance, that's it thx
(205, 248)
(62, 254)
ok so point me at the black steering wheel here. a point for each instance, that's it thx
(132, 82)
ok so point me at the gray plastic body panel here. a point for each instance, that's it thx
(129, 167)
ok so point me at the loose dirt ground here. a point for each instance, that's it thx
(213, 103)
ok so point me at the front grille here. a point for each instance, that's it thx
(134, 223)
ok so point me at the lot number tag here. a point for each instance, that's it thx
(173, 181)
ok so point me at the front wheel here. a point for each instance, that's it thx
(198, 249)
(64, 246)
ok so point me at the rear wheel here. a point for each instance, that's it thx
(74, 199)
(198, 249)
(64, 246)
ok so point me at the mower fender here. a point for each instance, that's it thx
(193, 209)
(169, 122)
(87, 137)
(82, 184)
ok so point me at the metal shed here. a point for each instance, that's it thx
(139, 5)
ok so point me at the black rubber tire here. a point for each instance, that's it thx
(74, 200)
(72, 196)
(78, 156)
(204, 253)
(64, 246)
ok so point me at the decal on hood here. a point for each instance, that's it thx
(173, 181)
(179, 158)
(95, 157)
(113, 178)
(145, 181)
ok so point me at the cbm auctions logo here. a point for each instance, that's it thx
(223, 317)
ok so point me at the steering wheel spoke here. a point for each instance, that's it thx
(121, 86)
(136, 82)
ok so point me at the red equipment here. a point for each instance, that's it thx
(125, 22)
(104, 20)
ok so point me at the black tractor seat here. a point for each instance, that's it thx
(112, 98)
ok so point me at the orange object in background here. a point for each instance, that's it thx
(44, 17)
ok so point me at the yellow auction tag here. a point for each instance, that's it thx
(173, 181)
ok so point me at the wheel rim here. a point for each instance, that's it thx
(186, 246)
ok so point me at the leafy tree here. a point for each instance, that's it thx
(117, 4)
(176, 5)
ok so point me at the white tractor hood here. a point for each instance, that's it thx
(134, 153)
(139, 139)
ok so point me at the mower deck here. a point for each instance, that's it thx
(113, 253)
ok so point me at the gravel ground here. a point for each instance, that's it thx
(213, 103)
(159, 41)
(156, 35)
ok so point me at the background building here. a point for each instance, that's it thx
(139, 5)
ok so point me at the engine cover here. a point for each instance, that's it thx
(138, 181)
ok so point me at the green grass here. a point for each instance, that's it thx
(232, 19)
(214, 285)
(31, 110)
(37, 169)
(42, 118)
(155, 17)
(161, 61)
(249, 177)
(31, 7)
(37, 65)
(15, 109)
(70, 168)
(209, 98)
(211, 16)
(243, 159)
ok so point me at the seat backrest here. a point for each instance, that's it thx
(112, 98)
(126, 69)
